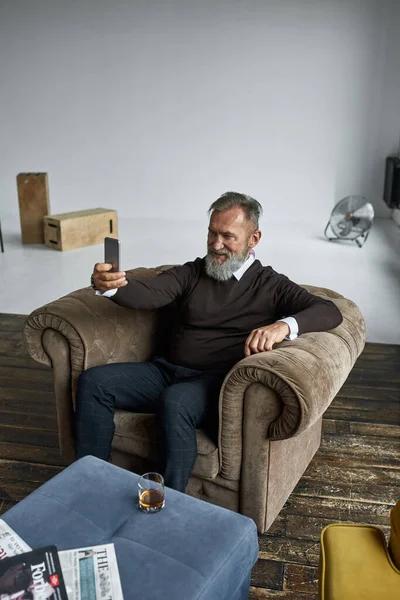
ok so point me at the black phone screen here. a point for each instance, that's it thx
(111, 252)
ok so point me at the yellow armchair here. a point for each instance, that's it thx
(357, 564)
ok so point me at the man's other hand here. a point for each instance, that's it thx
(105, 280)
(263, 338)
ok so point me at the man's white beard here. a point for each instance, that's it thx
(224, 271)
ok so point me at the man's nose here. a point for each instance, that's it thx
(218, 245)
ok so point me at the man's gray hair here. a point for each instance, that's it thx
(251, 207)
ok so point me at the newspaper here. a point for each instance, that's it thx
(10, 542)
(89, 573)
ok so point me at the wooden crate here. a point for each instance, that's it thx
(33, 199)
(80, 228)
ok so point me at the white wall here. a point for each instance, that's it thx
(158, 106)
(388, 123)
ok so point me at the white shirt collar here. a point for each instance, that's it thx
(240, 272)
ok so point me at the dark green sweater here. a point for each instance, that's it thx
(215, 318)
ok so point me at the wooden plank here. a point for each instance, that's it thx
(367, 393)
(46, 421)
(267, 573)
(5, 505)
(34, 205)
(378, 379)
(12, 348)
(33, 454)
(385, 494)
(358, 450)
(384, 355)
(382, 378)
(262, 593)
(338, 427)
(364, 409)
(378, 362)
(21, 362)
(377, 430)
(23, 384)
(310, 528)
(338, 511)
(12, 470)
(289, 550)
(28, 437)
(11, 322)
(278, 527)
(23, 374)
(15, 491)
(381, 349)
(334, 427)
(301, 578)
(321, 471)
(11, 335)
(27, 402)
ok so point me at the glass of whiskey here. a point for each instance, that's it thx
(151, 492)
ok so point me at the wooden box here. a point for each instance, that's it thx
(33, 198)
(80, 228)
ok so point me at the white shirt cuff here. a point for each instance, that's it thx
(293, 327)
(109, 293)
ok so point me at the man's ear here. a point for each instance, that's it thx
(255, 238)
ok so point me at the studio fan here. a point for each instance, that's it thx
(351, 219)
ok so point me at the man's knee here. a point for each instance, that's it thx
(175, 407)
(169, 403)
(94, 376)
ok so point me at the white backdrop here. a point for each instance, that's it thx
(155, 107)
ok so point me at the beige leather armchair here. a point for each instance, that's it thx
(271, 404)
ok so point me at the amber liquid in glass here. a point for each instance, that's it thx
(151, 500)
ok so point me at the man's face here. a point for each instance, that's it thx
(230, 237)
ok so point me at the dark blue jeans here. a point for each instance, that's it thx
(182, 400)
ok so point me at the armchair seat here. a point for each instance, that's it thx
(270, 406)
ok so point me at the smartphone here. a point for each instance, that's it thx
(111, 253)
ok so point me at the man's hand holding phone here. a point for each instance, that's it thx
(105, 279)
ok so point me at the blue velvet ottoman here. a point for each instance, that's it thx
(190, 549)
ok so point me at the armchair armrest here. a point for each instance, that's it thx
(97, 330)
(83, 330)
(305, 374)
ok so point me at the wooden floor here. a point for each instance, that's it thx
(355, 475)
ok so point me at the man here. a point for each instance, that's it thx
(230, 306)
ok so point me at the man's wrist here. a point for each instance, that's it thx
(286, 327)
(293, 327)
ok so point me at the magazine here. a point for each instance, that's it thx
(88, 573)
(34, 575)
